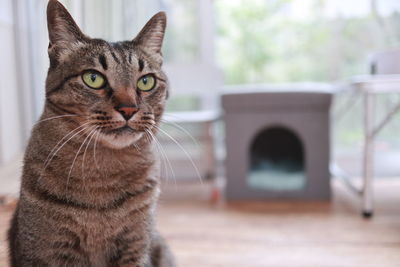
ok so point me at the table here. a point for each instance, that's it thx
(368, 87)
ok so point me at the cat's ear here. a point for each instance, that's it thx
(151, 37)
(62, 27)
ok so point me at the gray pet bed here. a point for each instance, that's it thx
(277, 142)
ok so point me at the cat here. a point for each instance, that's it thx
(90, 178)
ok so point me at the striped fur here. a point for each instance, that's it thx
(90, 183)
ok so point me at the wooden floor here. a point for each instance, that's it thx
(274, 233)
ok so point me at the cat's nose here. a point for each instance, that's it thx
(127, 111)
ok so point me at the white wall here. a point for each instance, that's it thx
(10, 120)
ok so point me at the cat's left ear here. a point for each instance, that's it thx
(151, 37)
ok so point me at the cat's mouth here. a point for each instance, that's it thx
(121, 130)
(121, 137)
(126, 134)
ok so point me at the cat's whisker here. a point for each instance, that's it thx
(164, 155)
(146, 135)
(47, 163)
(176, 125)
(167, 160)
(183, 149)
(164, 163)
(93, 133)
(94, 149)
(150, 138)
(76, 156)
(57, 117)
(57, 148)
(182, 129)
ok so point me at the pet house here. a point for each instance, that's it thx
(277, 142)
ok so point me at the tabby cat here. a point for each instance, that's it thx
(90, 178)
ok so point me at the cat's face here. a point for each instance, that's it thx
(116, 90)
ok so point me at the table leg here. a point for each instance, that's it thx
(367, 198)
(209, 150)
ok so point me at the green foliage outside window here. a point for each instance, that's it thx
(262, 41)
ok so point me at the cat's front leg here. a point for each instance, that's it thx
(66, 259)
(55, 260)
(130, 251)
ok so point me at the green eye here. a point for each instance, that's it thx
(146, 82)
(93, 79)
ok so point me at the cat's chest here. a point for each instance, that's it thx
(101, 231)
(100, 227)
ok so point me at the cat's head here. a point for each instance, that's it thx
(117, 90)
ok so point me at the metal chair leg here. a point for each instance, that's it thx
(367, 198)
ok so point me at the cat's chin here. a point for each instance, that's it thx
(119, 141)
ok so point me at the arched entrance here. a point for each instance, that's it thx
(276, 161)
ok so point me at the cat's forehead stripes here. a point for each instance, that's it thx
(141, 64)
(115, 57)
(120, 51)
(103, 61)
(120, 55)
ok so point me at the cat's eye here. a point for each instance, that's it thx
(146, 82)
(93, 79)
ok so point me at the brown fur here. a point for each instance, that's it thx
(89, 186)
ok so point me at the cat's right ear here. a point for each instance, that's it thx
(63, 31)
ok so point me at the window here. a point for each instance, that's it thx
(308, 40)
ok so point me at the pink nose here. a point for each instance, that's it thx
(127, 111)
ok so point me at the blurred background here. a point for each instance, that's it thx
(218, 46)
(211, 44)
